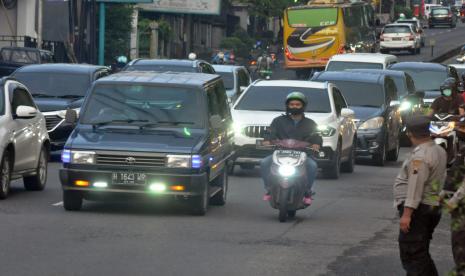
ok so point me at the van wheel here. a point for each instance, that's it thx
(37, 182)
(72, 200)
(393, 155)
(348, 166)
(5, 175)
(334, 171)
(219, 198)
(379, 159)
(199, 204)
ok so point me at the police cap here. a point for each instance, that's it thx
(418, 125)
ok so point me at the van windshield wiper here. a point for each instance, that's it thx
(128, 121)
(70, 96)
(42, 95)
(157, 124)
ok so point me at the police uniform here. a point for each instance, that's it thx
(415, 188)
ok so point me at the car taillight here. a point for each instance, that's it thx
(381, 38)
(411, 38)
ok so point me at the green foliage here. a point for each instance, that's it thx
(234, 43)
(118, 30)
(401, 9)
(269, 8)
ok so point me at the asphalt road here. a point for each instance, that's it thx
(351, 229)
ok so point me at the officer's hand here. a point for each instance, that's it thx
(316, 147)
(405, 223)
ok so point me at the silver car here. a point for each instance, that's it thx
(24, 142)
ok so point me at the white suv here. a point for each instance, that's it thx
(24, 139)
(398, 37)
(263, 101)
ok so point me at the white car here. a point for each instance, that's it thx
(263, 101)
(399, 37)
(418, 28)
(235, 79)
(428, 8)
(24, 139)
(360, 61)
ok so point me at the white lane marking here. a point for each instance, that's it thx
(58, 203)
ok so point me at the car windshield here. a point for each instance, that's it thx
(55, 84)
(460, 71)
(228, 79)
(437, 11)
(361, 94)
(161, 68)
(20, 56)
(396, 29)
(275, 97)
(156, 105)
(343, 65)
(426, 80)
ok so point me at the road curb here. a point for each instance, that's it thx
(447, 55)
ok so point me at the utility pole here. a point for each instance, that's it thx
(39, 23)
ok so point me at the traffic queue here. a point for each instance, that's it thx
(178, 129)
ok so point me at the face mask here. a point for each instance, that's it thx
(447, 92)
(295, 111)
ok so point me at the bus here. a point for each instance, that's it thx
(313, 33)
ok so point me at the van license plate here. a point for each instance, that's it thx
(128, 178)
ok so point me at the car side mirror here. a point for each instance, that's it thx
(25, 112)
(347, 112)
(216, 122)
(242, 89)
(71, 116)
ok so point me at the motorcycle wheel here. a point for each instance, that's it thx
(283, 205)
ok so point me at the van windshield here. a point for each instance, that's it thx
(167, 106)
(343, 65)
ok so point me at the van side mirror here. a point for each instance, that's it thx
(25, 112)
(216, 122)
(71, 116)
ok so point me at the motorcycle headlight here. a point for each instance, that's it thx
(404, 106)
(373, 123)
(286, 170)
(326, 131)
(78, 157)
(62, 113)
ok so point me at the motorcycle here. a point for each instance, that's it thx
(442, 129)
(265, 74)
(288, 176)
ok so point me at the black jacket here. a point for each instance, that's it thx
(283, 127)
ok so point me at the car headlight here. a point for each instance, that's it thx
(78, 157)
(238, 128)
(404, 106)
(326, 131)
(62, 113)
(373, 123)
(184, 161)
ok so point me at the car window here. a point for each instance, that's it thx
(213, 108)
(438, 11)
(360, 93)
(391, 89)
(410, 83)
(244, 79)
(55, 83)
(21, 97)
(222, 100)
(161, 68)
(207, 69)
(343, 65)
(396, 29)
(228, 79)
(339, 101)
(102, 73)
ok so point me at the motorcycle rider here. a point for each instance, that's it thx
(293, 125)
(450, 99)
(264, 62)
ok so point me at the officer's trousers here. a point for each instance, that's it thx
(414, 245)
(458, 239)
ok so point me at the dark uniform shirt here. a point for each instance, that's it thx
(284, 127)
(441, 105)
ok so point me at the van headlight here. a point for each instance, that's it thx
(78, 157)
(286, 170)
(326, 131)
(373, 123)
(184, 161)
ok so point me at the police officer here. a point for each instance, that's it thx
(414, 198)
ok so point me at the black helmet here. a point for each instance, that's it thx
(448, 85)
(297, 96)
